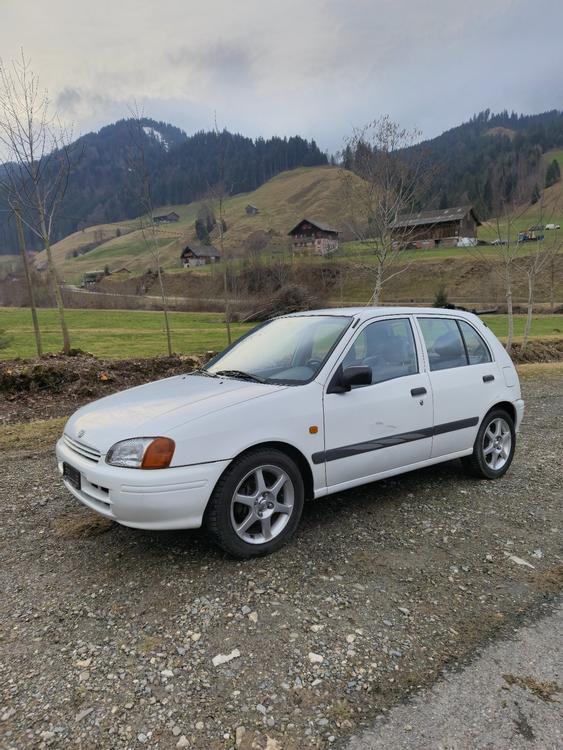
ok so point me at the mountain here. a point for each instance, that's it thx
(182, 169)
(493, 160)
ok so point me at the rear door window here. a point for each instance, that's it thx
(444, 344)
(477, 351)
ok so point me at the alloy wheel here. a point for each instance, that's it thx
(262, 504)
(497, 443)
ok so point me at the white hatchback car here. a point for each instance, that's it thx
(303, 406)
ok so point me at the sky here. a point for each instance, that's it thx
(317, 68)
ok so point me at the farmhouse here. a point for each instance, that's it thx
(199, 255)
(166, 218)
(251, 210)
(313, 237)
(92, 277)
(444, 226)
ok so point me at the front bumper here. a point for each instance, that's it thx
(158, 499)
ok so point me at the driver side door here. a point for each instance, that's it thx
(386, 425)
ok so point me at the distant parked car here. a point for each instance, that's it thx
(498, 241)
(553, 226)
(303, 406)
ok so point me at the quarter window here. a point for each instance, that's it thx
(477, 351)
(444, 344)
(387, 346)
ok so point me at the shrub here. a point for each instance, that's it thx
(441, 297)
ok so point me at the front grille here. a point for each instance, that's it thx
(83, 450)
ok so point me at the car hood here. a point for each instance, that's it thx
(157, 408)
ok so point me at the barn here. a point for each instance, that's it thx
(166, 218)
(443, 226)
(199, 255)
(313, 238)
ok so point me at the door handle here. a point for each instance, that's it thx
(418, 391)
(488, 378)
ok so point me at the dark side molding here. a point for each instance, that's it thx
(333, 454)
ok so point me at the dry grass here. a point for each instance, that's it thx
(543, 690)
(540, 368)
(41, 434)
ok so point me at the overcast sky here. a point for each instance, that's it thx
(313, 67)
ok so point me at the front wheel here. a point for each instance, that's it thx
(257, 504)
(494, 446)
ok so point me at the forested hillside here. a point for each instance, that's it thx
(492, 161)
(182, 169)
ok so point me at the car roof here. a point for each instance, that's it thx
(365, 313)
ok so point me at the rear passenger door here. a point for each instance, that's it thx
(462, 377)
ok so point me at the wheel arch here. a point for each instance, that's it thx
(292, 452)
(506, 406)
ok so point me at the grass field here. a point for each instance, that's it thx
(116, 333)
(125, 333)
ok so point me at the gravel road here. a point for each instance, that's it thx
(109, 636)
(509, 698)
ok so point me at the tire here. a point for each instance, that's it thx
(257, 504)
(494, 446)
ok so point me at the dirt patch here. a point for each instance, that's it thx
(81, 525)
(539, 351)
(544, 690)
(32, 389)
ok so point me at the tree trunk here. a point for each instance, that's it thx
(53, 277)
(30, 291)
(528, 325)
(164, 309)
(376, 296)
(225, 275)
(509, 312)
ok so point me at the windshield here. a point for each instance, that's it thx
(288, 350)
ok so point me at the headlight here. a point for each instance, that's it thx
(142, 453)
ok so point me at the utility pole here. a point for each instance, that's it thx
(25, 260)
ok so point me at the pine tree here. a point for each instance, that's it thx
(535, 194)
(553, 174)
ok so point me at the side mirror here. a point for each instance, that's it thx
(345, 379)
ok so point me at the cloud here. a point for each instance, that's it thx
(284, 66)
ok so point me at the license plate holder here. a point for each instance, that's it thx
(71, 475)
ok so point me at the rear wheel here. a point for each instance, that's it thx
(257, 504)
(494, 446)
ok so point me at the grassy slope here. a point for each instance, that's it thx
(307, 191)
(126, 333)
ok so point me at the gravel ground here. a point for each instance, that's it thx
(108, 635)
(509, 698)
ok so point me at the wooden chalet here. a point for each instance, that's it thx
(443, 226)
(166, 218)
(313, 238)
(199, 255)
(251, 210)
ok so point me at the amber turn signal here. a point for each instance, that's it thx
(158, 454)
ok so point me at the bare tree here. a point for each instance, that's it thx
(141, 183)
(218, 194)
(381, 185)
(35, 176)
(28, 282)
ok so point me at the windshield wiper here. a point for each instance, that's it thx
(241, 375)
(202, 372)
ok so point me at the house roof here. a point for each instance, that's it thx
(166, 216)
(318, 224)
(251, 205)
(434, 216)
(201, 251)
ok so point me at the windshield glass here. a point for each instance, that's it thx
(287, 350)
